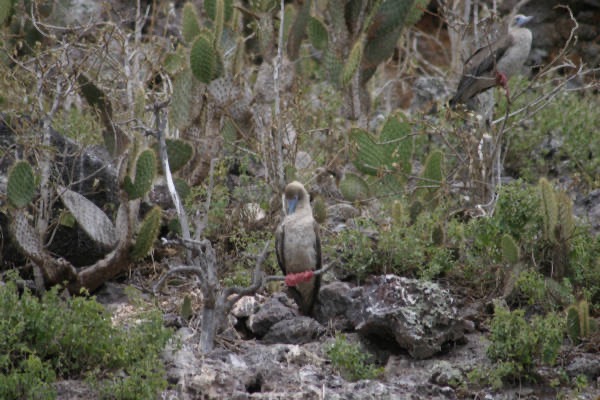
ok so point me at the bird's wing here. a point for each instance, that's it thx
(485, 58)
(478, 73)
(317, 245)
(279, 250)
(317, 284)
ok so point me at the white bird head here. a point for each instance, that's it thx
(295, 196)
(520, 20)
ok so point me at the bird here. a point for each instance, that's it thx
(494, 64)
(298, 247)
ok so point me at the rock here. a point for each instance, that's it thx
(445, 374)
(337, 305)
(245, 307)
(298, 330)
(584, 364)
(303, 160)
(426, 90)
(418, 316)
(588, 208)
(341, 212)
(268, 315)
(179, 356)
(217, 379)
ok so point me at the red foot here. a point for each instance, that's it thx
(502, 80)
(294, 279)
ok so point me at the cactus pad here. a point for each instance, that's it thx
(90, 218)
(203, 58)
(354, 188)
(20, 189)
(147, 234)
(145, 171)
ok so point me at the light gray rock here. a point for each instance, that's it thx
(585, 364)
(418, 316)
(341, 212)
(245, 307)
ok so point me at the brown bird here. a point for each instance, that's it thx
(494, 64)
(298, 247)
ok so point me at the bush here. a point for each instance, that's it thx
(518, 345)
(45, 339)
(350, 361)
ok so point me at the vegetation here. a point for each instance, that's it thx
(518, 345)
(235, 98)
(50, 338)
(351, 361)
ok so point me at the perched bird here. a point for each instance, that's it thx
(495, 63)
(298, 247)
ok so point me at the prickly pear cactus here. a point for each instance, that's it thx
(298, 29)
(319, 209)
(182, 188)
(397, 144)
(179, 153)
(383, 33)
(211, 8)
(25, 236)
(317, 34)
(432, 171)
(20, 189)
(510, 250)
(90, 218)
(204, 58)
(182, 100)
(147, 234)
(354, 188)
(368, 154)
(354, 60)
(190, 27)
(145, 171)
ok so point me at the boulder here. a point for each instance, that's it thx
(418, 316)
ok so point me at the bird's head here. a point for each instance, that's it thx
(295, 194)
(520, 20)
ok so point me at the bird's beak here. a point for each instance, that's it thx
(525, 20)
(292, 203)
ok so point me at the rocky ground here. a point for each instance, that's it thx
(425, 338)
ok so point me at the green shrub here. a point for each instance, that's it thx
(572, 120)
(351, 361)
(518, 345)
(423, 248)
(50, 338)
(356, 249)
